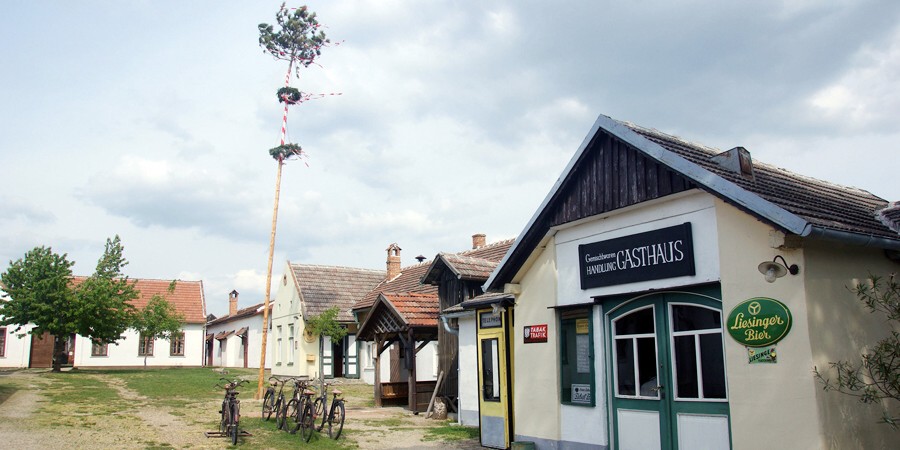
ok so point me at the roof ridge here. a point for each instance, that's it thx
(756, 163)
(328, 266)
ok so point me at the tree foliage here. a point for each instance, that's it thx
(159, 319)
(326, 324)
(104, 300)
(298, 40)
(876, 377)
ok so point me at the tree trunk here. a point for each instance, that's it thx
(59, 352)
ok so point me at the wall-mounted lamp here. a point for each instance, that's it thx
(497, 309)
(773, 270)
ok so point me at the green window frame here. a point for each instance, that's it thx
(576, 361)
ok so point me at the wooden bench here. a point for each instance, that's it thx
(398, 391)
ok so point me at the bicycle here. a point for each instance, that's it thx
(231, 409)
(334, 419)
(296, 405)
(272, 402)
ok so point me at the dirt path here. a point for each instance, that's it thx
(130, 421)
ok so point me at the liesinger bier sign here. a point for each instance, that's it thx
(759, 322)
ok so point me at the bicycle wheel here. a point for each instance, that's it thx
(292, 414)
(235, 420)
(319, 411)
(307, 422)
(279, 412)
(226, 416)
(336, 420)
(268, 405)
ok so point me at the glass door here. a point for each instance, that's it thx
(668, 372)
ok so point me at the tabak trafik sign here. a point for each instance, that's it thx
(653, 255)
(535, 333)
(759, 322)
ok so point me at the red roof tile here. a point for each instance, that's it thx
(188, 298)
(409, 281)
(418, 310)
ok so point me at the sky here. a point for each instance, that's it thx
(152, 120)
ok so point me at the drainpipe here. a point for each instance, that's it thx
(453, 331)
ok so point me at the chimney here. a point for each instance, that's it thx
(232, 303)
(421, 258)
(736, 160)
(478, 240)
(393, 261)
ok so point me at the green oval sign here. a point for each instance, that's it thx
(759, 322)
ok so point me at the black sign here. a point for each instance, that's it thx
(654, 255)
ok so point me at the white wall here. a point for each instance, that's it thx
(233, 355)
(426, 363)
(124, 353)
(468, 372)
(18, 347)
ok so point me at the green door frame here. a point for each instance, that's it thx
(667, 406)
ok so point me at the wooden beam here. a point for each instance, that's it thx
(422, 345)
(412, 374)
(386, 345)
(378, 343)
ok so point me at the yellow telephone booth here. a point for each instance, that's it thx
(495, 376)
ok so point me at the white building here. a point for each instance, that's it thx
(235, 340)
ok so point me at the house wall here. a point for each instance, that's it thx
(287, 359)
(468, 372)
(233, 356)
(426, 363)
(18, 347)
(828, 271)
(124, 353)
(536, 413)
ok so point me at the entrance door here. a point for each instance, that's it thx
(351, 361)
(327, 358)
(668, 366)
(493, 379)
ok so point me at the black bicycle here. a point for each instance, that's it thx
(334, 419)
(295, 405)
(231, 409)
(273, 402)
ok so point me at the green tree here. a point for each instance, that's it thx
(158, 319)
(39, 292)
(876, 377)
(326, 324)
(104, 300)
(298, 41)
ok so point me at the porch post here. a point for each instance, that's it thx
(378, 343)
(411, 361)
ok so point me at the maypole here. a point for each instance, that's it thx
(299, 41)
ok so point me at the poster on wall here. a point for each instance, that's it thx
(762, 355)
(583, 353)
(653, 255)
(581, 393)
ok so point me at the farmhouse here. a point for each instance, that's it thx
(235, 340)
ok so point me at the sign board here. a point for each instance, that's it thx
(759, 322)
(653, 255)
(535, 333)
(490, 320)
(761, 355)
(581, 393)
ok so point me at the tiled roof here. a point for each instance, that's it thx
(819, 202)
(890, 216)
(418, 310)
(474, 264)
(240, 314)
(407, 282)
(491, 252)
(187, 298)
(323, 287)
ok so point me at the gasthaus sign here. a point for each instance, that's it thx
(653, 255)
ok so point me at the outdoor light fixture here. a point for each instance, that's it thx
(497, 309)
(773, 270)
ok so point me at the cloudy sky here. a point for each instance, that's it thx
(153, 119)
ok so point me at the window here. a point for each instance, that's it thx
(176, 344)
(2, 342)
(698, 353)
(99, 349)
(290, 358)
(490, 370)
(145, 346)
(278, 346)
(635, 355)
(576, 350)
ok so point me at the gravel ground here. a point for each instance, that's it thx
(146, 426)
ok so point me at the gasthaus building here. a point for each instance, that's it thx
(670, 295)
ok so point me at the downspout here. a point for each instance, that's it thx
(447, 327)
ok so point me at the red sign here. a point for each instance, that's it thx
(535, 333)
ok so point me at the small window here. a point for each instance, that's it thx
(145, 347)
(2, 342)
(577, 358)
(490, 370)
(290, 357)
(99, 349)
(176, 344)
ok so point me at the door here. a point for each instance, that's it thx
(327, 358)
(494, 398)
(351, 359)
(667, 362)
